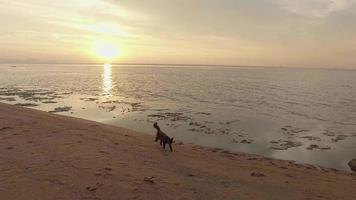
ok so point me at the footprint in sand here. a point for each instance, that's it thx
(5, 128)
(107, 169)
(149, 179)
(225, 184)
(98, 174)
(282, 167)
(104, 174)
(191, 175)
(55, 182)
(290, 176)
(94, 187)
(257, 174)
(104, 152)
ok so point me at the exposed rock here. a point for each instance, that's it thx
(203, 113)
(352, 164)
(108, 108)
(315, 146)
(312, 138)
(290, 130)
(231, 122)
(89, 99)
(216, 149)
(325, 148)
(284, 144)
(224, 131)
(339, 137)
(312, 146)
(234, 141)
(26, 104)
(172, 116)
(246, 141)
(194, 124)
(49, 102)
(328, 133)
(7, 99)
(251, 158)
(201, 127)
(156, 116)
(194, 130)
(30, 94)
(61, 109)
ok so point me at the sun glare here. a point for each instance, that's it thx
(106, 50)
(107, 83)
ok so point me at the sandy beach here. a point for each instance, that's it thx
(48, 156)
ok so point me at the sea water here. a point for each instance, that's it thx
(306, 115)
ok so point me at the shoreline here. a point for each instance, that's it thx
(314, 132)
(49, 156)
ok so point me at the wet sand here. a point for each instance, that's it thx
(48, 156)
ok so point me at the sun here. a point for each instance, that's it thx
(106, 50)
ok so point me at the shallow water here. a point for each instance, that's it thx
(275, 112)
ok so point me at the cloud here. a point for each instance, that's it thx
(315, 8)
(225, 31)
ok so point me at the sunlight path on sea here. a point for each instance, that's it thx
(107, 82)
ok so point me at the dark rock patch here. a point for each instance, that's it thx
(26, 104)
(61, 109)
(312, 138)
(284, 144)
(338, 138)
(7, 99)
(48, 102)
(315, 146)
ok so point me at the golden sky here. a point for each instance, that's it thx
(300, 33)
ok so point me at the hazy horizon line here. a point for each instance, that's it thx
(180, 64)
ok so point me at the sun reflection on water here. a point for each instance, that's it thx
(107, 82)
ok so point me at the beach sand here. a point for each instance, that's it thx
(48, 156)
